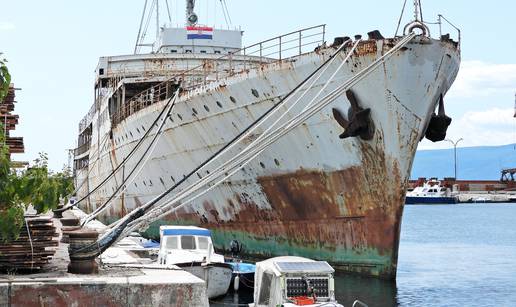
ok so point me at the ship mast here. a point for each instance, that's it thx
(147, 16)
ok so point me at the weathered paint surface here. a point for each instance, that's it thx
(107, 291)
(311, 193)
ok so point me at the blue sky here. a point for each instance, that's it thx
(53, 47)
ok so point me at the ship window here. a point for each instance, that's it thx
(162, 182)
(277, 162)
(187, 242)
(203, 242)
(172, 179)
(255, 93)
(101, 71)
(203, 51)
(188, 51)
(217, 51)
(206, 108)
(180, 117)
(173, 51)
(232, 99)
(171, 242)
(219, 104)
(194, 111)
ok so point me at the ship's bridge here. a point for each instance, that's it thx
(198, 39)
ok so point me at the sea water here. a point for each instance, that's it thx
(450, 255)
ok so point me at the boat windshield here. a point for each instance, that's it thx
(171, 242)
(187, 242)
(203, 242)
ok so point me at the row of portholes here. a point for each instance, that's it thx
(195, 112)
(149, 183)
(276, 161)
(117, 140)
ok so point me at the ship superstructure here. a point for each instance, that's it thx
(316, 192)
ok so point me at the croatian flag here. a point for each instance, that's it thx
(199, 33)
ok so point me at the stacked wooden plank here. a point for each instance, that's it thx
(9, 121)
(30, 252)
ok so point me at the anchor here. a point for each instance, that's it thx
(436, 130)
(359, 122)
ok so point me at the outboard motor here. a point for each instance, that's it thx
(235, 248)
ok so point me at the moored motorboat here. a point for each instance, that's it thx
(191, 249)
(432, 192)
(294, 281)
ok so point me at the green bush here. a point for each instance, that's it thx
(35, 186)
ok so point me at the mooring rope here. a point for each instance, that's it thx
(168, 207)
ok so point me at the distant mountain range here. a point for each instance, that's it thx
(473, 163)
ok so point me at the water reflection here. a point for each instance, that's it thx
(372, 291)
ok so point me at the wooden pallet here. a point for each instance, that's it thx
(33, 249)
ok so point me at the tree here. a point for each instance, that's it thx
(35, 186)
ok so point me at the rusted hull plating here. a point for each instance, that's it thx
(310, 194)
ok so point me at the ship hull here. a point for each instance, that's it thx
(311, 193)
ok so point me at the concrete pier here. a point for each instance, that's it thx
(138, 285)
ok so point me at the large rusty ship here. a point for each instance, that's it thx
(332, 188)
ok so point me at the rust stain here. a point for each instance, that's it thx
(366, 47)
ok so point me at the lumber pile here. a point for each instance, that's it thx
(9, 121)
(22, 255)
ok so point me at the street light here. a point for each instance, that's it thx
(455, 152)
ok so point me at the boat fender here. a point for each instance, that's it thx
(236, 283)
(359, 122)
(438, 125)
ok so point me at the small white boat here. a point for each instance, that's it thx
(294, 281)
(191, 249)
(430, 193)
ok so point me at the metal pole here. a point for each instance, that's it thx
(455, 154)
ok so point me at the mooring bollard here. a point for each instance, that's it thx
(82, 262)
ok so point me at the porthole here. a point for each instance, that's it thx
(138, 130)
(194, 111)
(232, 99)
(172, 178)
(255, 93)
(219, 104)
(206, 108)
(180, 117)
(276, 162)
(150, 182)
(162, 182)
(262, 165)
(143, 128)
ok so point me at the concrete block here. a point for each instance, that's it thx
(4, 294)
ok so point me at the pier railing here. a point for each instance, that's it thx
(265, 52)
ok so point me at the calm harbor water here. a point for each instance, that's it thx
(450, 255)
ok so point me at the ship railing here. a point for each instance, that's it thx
(82, 149)
(440, 24)
(265, 52)
(86, 120)
(141, 101)
(440, 19)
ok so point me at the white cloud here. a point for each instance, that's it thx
(495, 126)
(477, 78)
(6, 26)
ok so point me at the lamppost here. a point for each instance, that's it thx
(455, 152)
